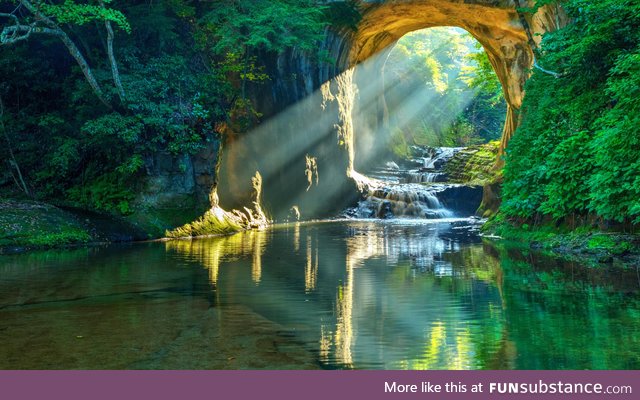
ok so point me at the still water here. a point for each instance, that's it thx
(345, 294)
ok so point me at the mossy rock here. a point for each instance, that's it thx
(474, 165)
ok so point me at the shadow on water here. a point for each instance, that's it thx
(396, 294)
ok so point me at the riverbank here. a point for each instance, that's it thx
(32, 225)
(587, 245)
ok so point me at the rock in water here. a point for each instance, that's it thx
(392, 165)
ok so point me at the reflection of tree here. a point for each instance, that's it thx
(438, 353)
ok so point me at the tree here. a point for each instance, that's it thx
(575, 154)
(233, 34)
(39, 17)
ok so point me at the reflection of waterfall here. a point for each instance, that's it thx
(444, 340)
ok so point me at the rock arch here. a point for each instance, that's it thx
(496, 24)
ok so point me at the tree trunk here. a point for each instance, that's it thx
(71, 47)
(112, 60)
(13, 162)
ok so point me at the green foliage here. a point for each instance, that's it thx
(271, 25)
(576, 151)
(481, 76)
(105, 192)
(446, 70)
(233, 35)
(184, 67)
(343, 14)
(72, 12)
(616, 181)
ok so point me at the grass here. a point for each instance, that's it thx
(30, 225)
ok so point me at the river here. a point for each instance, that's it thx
(346, 294)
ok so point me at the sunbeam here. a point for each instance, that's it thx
(307, 153)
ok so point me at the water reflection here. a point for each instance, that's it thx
(395, 277)
(311, 267)
(426, 296)
(210, 253)
(392, 294)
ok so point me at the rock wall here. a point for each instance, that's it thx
(179, 182)
(298, 125)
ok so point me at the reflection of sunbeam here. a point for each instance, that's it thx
(296, 237)
(344, 327)
(206, 252)
(359, 248)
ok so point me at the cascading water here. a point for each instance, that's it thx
(417, 189)
(402, 200)
(430, 162)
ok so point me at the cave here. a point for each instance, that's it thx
(308, 110)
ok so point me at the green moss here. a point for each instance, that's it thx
(208, 224)
(609, 243)
(58, 238)
(475, 165)
(155, 222)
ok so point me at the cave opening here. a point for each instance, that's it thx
(432, 88)
(427, 114)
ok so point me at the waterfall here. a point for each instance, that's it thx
(402, 200)
(418, 189)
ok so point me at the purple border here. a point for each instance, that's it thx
(299, 385)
